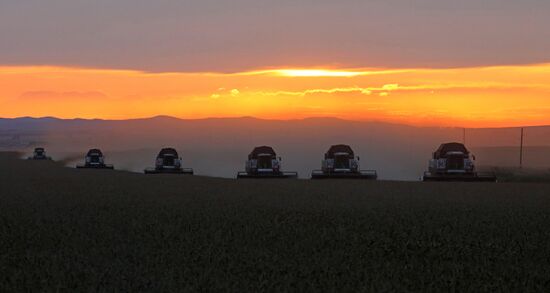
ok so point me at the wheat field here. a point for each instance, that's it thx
(63, 229)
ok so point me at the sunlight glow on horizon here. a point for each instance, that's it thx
(315, 73)
(472, 97)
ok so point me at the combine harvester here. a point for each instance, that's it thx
(263, 163)
(340, 162)
(168, 162)
(39, 154)
(453, 162)
(95, 160)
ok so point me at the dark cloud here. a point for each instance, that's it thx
(208, 35)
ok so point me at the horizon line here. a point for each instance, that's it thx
(264, 119)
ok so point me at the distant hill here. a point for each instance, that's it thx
(218, 146)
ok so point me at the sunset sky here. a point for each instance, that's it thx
(427, 62)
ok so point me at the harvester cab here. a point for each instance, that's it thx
(168, 162)
(263, 163)
(454, 162)
(94, 160)
(340, 162)
(39, 154)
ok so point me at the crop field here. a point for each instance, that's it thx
(522, 175)
(63, 229)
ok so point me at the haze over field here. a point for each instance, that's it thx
(218, 147)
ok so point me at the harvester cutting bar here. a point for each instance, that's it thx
(103, 166)
(362, 174)
(474, 177)
(183, 171)
(281, 175)
(39, 158)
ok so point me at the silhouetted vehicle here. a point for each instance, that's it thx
(340, 162)
(263, 163)
(94, 160)
(453, 162)
(168, 162)
(39, 154)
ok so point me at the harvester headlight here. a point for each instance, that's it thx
(468, 164)
(442, 163)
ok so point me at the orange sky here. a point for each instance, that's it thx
(471, 97)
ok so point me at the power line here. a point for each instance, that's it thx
(521, 150)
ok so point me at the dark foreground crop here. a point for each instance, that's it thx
(94, 230)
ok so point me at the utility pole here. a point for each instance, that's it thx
(521, 150)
